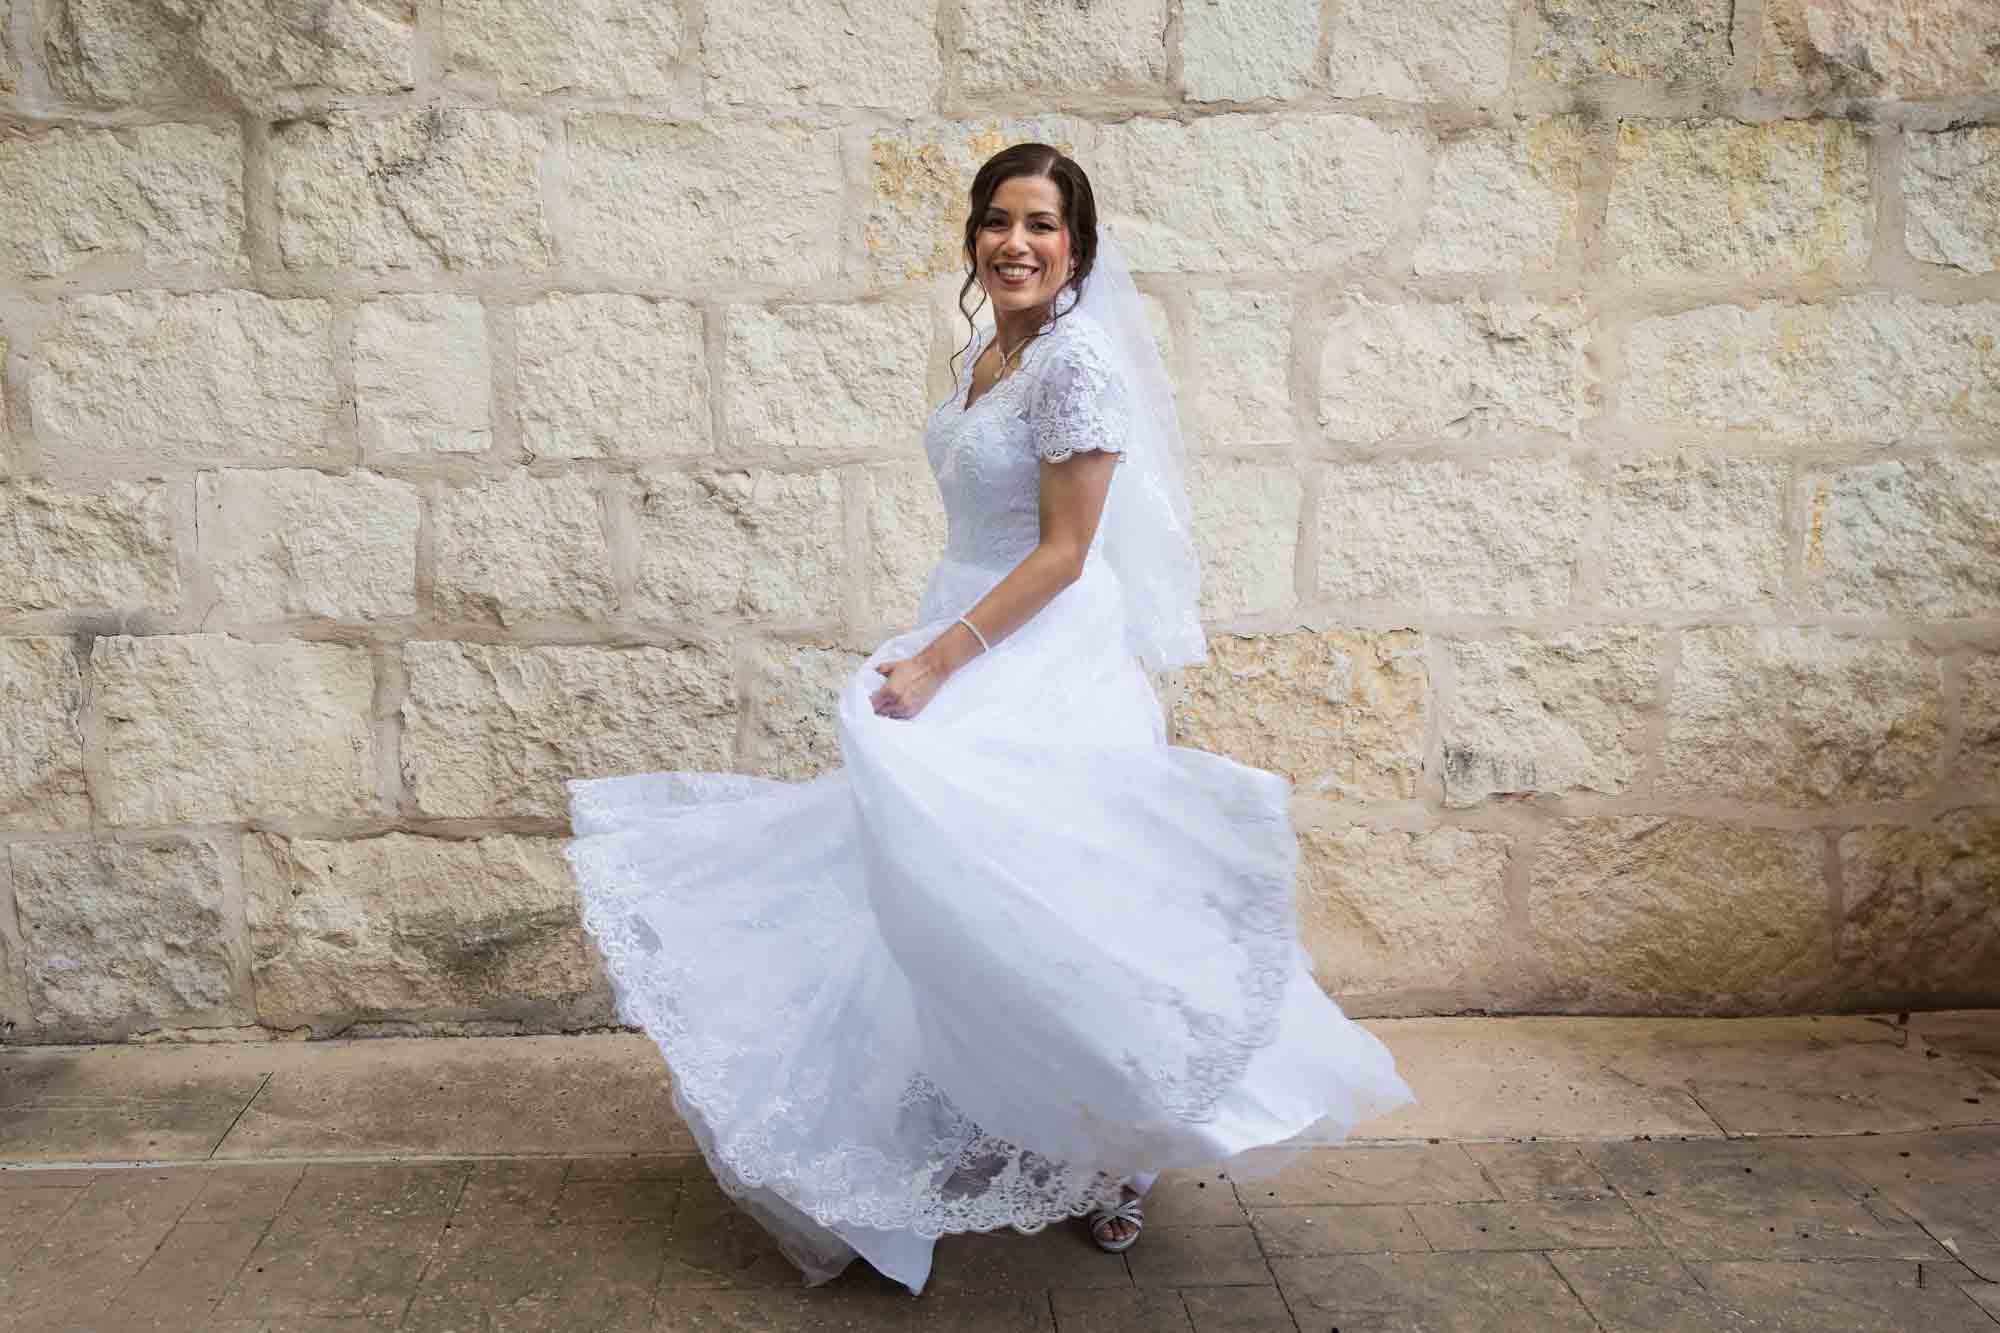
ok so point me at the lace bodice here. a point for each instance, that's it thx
(1064, 398)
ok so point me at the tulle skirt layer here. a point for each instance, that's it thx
(1017, 948)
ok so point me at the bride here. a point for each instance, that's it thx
(1019, 954)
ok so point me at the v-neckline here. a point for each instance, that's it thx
(965, 400)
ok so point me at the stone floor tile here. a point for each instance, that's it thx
(1644, 1291)
(712, 1243)
(303, 1324)
(1440, 1174)
(26, 1215)
(244, 1193)
(1356, 1229)
(1816, 1297)
(117, 1103)
(1948, 1181)
(1198, 1257)
(1538, 1170)
(530, 1278)
(1193, 1199)
(582, 1201)
(511, 1191)
(703, 1311)
(185, 1278)
(1438, 1293)
(1539, 1224)
(73, 1271)
(1121, 1311)
(984, 1312)
(1055, 1257)
(1971, 1035)
(1987, 1294)
(133, 1132)
(45, 1178)
(1238, 1310)
(638, 1166)
(1984, 1260)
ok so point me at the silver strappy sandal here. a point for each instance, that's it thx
(1126, 1210)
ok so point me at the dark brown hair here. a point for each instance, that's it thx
(1079, 208)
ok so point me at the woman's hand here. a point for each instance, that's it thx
(910, 682)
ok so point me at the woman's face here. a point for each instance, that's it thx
(1022, 251)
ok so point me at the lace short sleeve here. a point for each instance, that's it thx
(1079, 399)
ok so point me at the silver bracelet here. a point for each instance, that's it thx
(984, 647)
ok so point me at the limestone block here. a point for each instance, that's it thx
(1915, 536)
(13, 979)
(1795, 193)
(1238, 392)
(1880, 48)
(41, 769)
(794, 696)
(598, 48)
(827, 378)
(1453, 370)
(151, 195)
(1246, 527)
(1800, 717)
(610, 376)
(1683, 42)
(1296, 193)
(167, 379)
(1498, 540)
(1240, 50)
(1646, 914)
(1387, 910)
(10, 70)
(202, 728)
(293, 542)
(1691, 533)
(1419, 52)
(1951, 198)
(430, 189)
(1867, 368)
(906, 534)
(491, 730)
(918, 176)
(797, 52)
(694, 203)
(522, 547)
(764, 544)
(251, 53)
(1339, 712)
(117, 935)
(1017, 46)
(1504, 201)
(401, 927)
(1979, 712)
(110, 547)
(1920, 922)
(423, 380)
(1548, 714)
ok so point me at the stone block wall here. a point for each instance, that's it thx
(405, 405)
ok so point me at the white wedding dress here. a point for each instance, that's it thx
(1016, 948)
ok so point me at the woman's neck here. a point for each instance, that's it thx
(1011, 328)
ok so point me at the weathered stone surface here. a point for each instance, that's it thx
(694, 203)
(1868, 368)
(1686, 42)
(436, 188)
(1800, 717)
(292, 542)
(827, 378)
(918, 176)
(202, 728)
(763, 544)
(41, 771)
(491, 730)
(10, 72)
(1016, 46)
(401, 926)
(1880, 48)
(230, 377)
(1452, 370)
(248, 52)
(1419, 52)
(1340, 712)
(610, 376)
(1445, 537)
(1951, 198)
(110, 547)
(1240, 50)
(1922, 911)
(1647, 914)
(1238, 392)
(1386, 910)
(602, 48)
(1246, 525)
(1690, 533)
(794, 52)
(1979, 738)
(1289, 193)
(794, 696)
(522, 547)
(1795, 193)
(1547, 714)
(1504, 201)
(1911, 536)
(149, 195)
(906, 532)
(118, 934)
(423, 380)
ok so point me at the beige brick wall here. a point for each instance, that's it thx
(406, 405)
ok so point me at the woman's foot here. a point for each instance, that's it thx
(1116, 1228)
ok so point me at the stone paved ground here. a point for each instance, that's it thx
(1815, 1175)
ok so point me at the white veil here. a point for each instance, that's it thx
(1148, 532)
